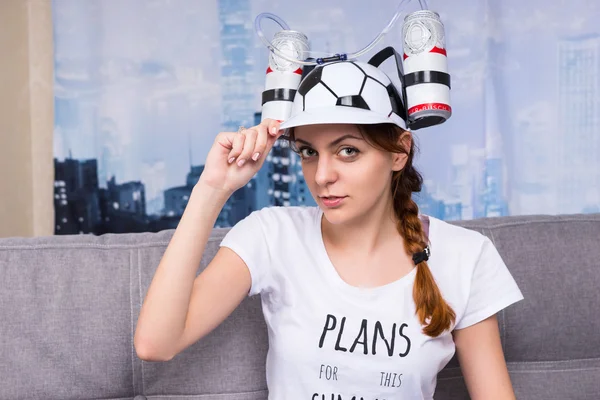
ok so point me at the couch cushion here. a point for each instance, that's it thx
(551, 340)
(65, 319)
(69, 305)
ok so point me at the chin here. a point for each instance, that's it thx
(337, 216)
(347, 213)
(334, 217)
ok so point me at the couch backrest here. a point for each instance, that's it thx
(69, 306)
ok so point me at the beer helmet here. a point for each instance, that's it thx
(304, 90)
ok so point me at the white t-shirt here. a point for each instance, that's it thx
(331, 340)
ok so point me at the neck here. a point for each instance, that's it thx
(367, 233)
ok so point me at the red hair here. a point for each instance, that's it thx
(432, 310)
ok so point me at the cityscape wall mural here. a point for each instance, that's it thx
(143, 86)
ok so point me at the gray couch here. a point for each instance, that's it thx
(69, 305)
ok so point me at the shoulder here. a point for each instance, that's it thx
(455, 242)
(274, 230)
(271, 228)
(284, 217)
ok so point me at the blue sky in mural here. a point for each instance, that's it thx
(139, 88)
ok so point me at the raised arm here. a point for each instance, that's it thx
(179, 309)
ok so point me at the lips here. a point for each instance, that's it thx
(332, 201)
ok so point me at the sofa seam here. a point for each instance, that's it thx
(139, 268)
(517, 223)
(168, 396)
(131, 246)
(530, 371)
(132, 318)
(575, 360)
(110, 398)
(557, 361)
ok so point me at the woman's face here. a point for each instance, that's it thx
(346, 176)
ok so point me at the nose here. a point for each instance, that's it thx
(326, 173)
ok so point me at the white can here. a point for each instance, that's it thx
(283, 76)
(425, 65)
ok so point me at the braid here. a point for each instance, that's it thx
(431, 308)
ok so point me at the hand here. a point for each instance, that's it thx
(236, 157)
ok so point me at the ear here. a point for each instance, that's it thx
(399, 159)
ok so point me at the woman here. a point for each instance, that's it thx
(361, 298)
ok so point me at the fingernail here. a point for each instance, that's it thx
(232, 159)
(255, 156)
(241, 163)
(273, 130)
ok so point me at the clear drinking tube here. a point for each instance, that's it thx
(332, 57)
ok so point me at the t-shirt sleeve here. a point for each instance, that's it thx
(248, 240)
(492, 287)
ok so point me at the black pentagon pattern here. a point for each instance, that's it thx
(352, 101)
(310, 81)
(394, 99)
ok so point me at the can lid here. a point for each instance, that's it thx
(423, 14)
(291, 34)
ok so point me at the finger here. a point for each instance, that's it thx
(225, 139)
(261, 142)
(274, 127)
(238, 146)
(267, 122)
(271, 139)
(249, 143)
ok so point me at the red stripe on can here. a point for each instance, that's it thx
(439, 50)
(436, 49)
(429, 106)
(298, 71)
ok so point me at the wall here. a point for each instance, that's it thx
(26, 118)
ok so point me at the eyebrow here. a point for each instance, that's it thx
(335, 142)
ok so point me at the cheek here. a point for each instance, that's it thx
(370, 173)
(308, 171)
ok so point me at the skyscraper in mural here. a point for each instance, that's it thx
(237, 63)
(534, 185)
(467, 184)
(495, 202)
(579, 110)
(236, 78)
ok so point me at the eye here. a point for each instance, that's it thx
(349, 151)
(306, 152)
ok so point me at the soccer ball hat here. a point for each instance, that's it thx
(346, 92)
